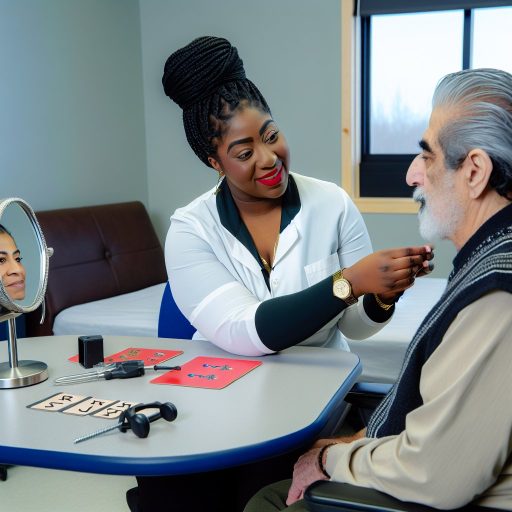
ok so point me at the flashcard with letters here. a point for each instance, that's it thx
(80, 405)
(88, 406)
(150, 356)
(113, 412)
(208, 372)
(57, 402)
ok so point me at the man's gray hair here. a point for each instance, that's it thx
(481, 100)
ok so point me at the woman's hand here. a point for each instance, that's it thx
(388, 272)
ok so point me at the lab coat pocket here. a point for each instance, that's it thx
(321, 269)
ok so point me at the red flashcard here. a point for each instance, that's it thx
(208, 372)
(150, 356)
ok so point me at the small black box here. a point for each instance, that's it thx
(90, 350)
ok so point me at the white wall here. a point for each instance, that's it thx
(71, 104)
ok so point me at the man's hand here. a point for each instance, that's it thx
(344, 439)
(306, 471)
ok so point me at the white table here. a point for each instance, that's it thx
(278, 406)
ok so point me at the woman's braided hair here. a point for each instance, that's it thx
(206, 78)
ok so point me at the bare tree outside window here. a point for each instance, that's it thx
(409, 54)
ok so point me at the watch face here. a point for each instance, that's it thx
(341, 288)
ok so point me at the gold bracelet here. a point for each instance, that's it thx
(384, 306)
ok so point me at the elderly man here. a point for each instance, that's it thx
(443, 435)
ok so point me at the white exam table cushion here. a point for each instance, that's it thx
(130, 314)
(382, 354)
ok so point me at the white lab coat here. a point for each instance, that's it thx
(218, 284)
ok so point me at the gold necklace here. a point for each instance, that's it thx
(266, 264)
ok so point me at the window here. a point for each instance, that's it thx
(400, 87)
(402, 49)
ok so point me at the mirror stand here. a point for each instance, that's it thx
(17, 374)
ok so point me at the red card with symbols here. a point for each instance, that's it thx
(208, 372)
(150, 356)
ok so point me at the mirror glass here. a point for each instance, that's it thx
(20, 256)
(23, 258)
(23, 277)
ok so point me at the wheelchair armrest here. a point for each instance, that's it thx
(326, 496)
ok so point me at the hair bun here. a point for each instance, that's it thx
(197, 70)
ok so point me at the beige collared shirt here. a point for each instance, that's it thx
(457, 446)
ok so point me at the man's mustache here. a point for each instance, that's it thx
(419, 196)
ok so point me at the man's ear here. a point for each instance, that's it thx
(477, 172)
(215, 164)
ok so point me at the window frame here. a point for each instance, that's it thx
(363, 172)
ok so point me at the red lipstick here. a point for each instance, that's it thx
(272, 178)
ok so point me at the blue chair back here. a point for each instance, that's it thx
(171, 321)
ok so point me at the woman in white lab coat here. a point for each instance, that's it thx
(254, 264)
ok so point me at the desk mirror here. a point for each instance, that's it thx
(23, 277)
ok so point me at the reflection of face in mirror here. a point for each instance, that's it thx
(12, 271)
(20, 235)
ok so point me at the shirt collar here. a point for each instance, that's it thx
(231, 220)
(485, 234)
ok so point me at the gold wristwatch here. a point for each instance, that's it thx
(342, 288)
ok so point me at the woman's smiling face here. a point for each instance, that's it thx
(12, 272)
(253, 155)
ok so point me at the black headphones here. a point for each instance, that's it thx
(139, 423)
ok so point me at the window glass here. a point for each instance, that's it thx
(409, 54)
(492, 38)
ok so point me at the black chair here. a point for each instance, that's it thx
(326, 496)
(363, 398)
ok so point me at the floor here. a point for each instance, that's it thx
(43, 490)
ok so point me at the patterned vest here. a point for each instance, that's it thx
(484, 264)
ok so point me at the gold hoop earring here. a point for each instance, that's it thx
(219, 181)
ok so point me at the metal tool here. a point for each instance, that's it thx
(132, 419)
(98, 432)
(119, 370)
